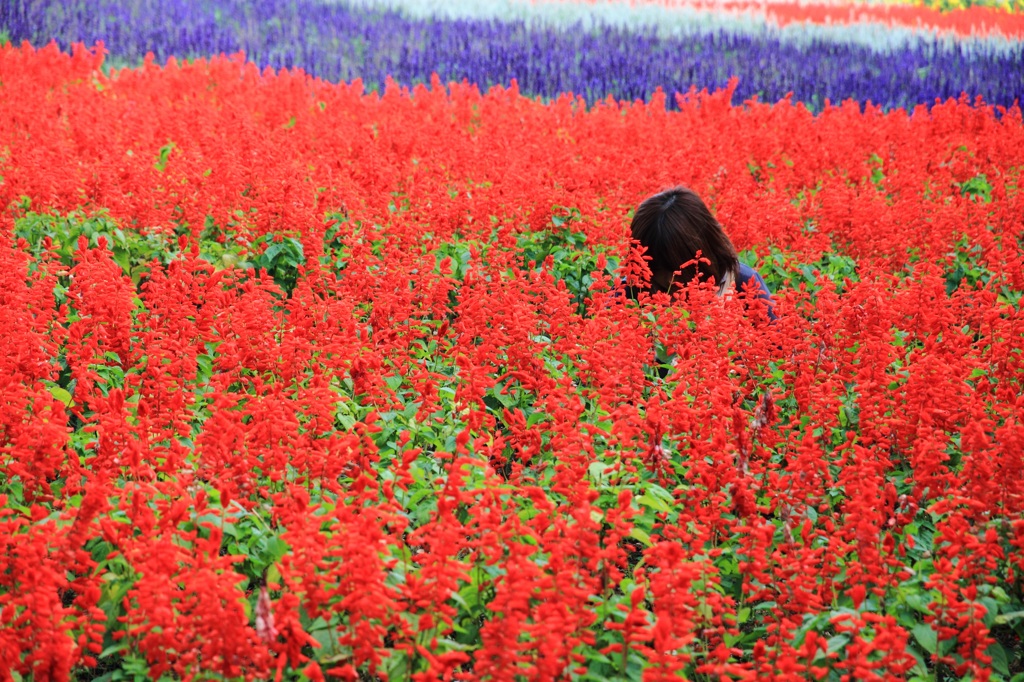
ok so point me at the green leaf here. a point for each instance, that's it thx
(535, 417)
(62, 395)
(276, 548)
(920, 668)
(662, 494)
(926, 637)
(1004, 618)
(273, 574)
(837, 643)
(597, 470)
(123, 258)
(1000, 661)
(977, 187)
(114, 648)
(396, 664)
(991, 610)
(204, 365)
(918, 601)
(165, 154)
(653, 502)
(271, 252)
(641, 535)
(503, 397)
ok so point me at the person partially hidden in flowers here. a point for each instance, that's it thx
(674, 226)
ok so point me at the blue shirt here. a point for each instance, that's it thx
(746, 276)
(743, 280)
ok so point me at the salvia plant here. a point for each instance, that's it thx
(304, 382)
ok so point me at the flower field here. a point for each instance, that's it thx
(308, 379)
(591, 51)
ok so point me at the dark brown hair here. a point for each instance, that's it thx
(674, 225)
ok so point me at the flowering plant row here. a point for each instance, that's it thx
(625, 54)
(300, 381)
(994, 10)
(955, 5)
(976, 20)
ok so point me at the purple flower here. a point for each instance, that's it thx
(337, 41)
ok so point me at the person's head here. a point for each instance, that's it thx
(674, 226)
